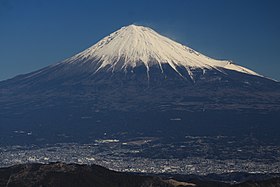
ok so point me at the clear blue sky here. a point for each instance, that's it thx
(37, 33)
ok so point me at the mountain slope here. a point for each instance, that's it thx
(137, 80)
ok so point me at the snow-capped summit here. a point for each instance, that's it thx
(134, 45)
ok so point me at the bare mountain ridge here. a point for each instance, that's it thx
(74, 175)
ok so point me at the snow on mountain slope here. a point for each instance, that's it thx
(133, 46)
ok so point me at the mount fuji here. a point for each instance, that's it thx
(136, 82)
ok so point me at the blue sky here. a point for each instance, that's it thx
(37, 33)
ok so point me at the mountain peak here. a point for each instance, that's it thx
(134, 45)
(136, 27)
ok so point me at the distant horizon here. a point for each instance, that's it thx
(36, 34)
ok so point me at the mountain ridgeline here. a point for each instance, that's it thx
(138, 83)
(74, 175)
